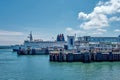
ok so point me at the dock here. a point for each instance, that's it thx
(84, 57)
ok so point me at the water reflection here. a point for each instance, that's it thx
(38, 67)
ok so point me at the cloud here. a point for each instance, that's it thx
(11, 37)
(115, 18)
(100, 3)
(11, 40)
(98, 18)
(117, 30)
(71, 31)
(78, 32)
(97, 21)
(10, 33)
(99, 31)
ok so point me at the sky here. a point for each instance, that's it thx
(47, 18)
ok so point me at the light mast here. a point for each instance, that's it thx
(31, 38)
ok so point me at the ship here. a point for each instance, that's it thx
(39, 45)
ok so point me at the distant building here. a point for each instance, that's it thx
(99, 39)
(87, 42)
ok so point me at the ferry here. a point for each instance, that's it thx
(39, 44)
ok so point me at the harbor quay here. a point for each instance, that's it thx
(84, 57)
(88, 49)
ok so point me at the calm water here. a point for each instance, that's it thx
(13, 67)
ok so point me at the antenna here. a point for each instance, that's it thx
(53, 38)
(30, 36)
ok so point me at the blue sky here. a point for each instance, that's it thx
(47, 18)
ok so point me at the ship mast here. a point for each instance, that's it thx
(30, 36)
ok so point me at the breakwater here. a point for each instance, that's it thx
(85, 57)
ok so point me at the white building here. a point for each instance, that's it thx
(70, 42)
(88, 42)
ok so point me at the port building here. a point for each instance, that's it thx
(88, 42)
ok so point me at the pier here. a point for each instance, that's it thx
(84, 57)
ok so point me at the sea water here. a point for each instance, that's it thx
(38, 67)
